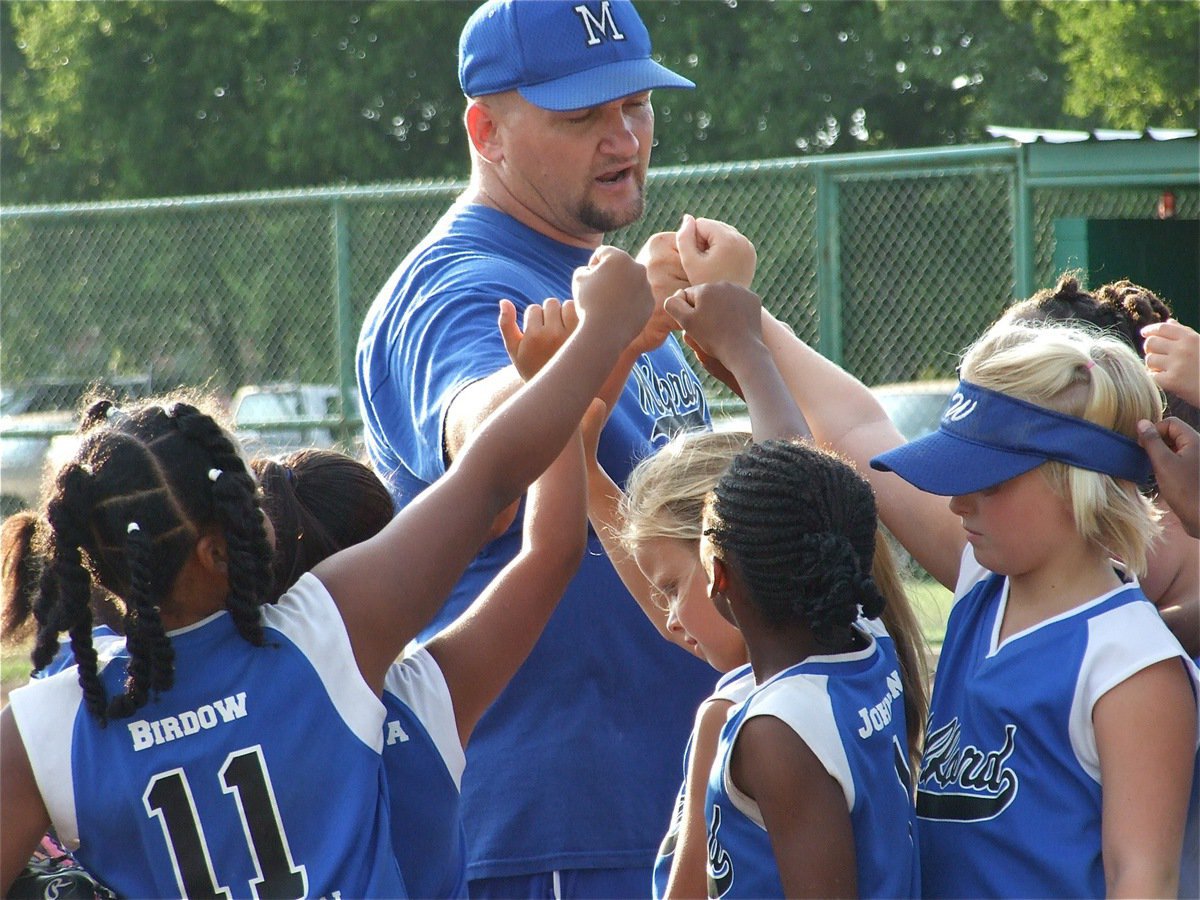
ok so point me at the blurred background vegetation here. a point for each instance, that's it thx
(137, 99)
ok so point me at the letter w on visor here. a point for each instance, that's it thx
(986, 438)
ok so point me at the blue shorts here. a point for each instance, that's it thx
(574, 883)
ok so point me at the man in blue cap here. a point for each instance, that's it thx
(572, 773)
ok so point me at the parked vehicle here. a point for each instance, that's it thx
(32, 413)
(282, 417)
(915, 407)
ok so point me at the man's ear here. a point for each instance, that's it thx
(212, 552)
(483, 130)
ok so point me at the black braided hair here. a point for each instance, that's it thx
(798, 525)
(127, 512)
(1068, 301)
(1136, 306)
(319, 502)
(1120, 308)
(236, 509)
(151, 656)
(63, 602)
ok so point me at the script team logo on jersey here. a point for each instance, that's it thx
(989, 785)
(674, 400)
(720, 866)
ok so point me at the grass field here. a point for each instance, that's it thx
(14, 668)
(932, 604)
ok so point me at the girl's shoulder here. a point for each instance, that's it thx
(1125, 636)
(735, 685)
(415, 689)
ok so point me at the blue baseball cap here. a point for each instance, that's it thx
(985, 438)
(560, 54)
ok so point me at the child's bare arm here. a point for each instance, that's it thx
(689, 876)
(544, 331)
(604, 502)
(803, 809)
(482, 649)
(726, 321)
(844, 415)
(1146, 741)
(23, 811)
(400, 577)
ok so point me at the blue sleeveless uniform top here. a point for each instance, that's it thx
(424, 763)
(1009, 792)
(258, 773)
(733, 686)
(849, 709)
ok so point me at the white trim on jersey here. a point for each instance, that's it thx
(1121, 643)
(45, 712)
(418, 682)
(803, 705)
(970, 573)
(309, 618)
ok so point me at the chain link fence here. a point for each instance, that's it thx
(890, 263)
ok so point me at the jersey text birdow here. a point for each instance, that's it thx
(190, 721)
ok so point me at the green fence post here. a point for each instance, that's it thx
(345, 325)
(1023, 236)
(829, 275)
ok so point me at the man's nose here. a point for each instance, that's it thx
(620, 134)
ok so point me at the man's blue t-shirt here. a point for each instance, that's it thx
(575, 765)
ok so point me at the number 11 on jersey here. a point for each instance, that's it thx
(168, 797)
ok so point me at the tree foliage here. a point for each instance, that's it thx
(141, 98)
(1132, 63)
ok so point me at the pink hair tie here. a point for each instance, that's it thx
(1090, 364)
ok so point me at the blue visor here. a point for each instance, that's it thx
(986, 438)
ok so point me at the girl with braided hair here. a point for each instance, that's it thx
(809, 793)
(320, 502)
(236, 741)
(656, 525)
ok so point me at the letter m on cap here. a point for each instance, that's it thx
(603, 25)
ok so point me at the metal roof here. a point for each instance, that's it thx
(1066, 136)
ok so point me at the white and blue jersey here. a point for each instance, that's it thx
(102, 637)
(424, 762)
(258, 773)
(1009, 792)
(550, 784)
(849, 709)
(734, 686)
